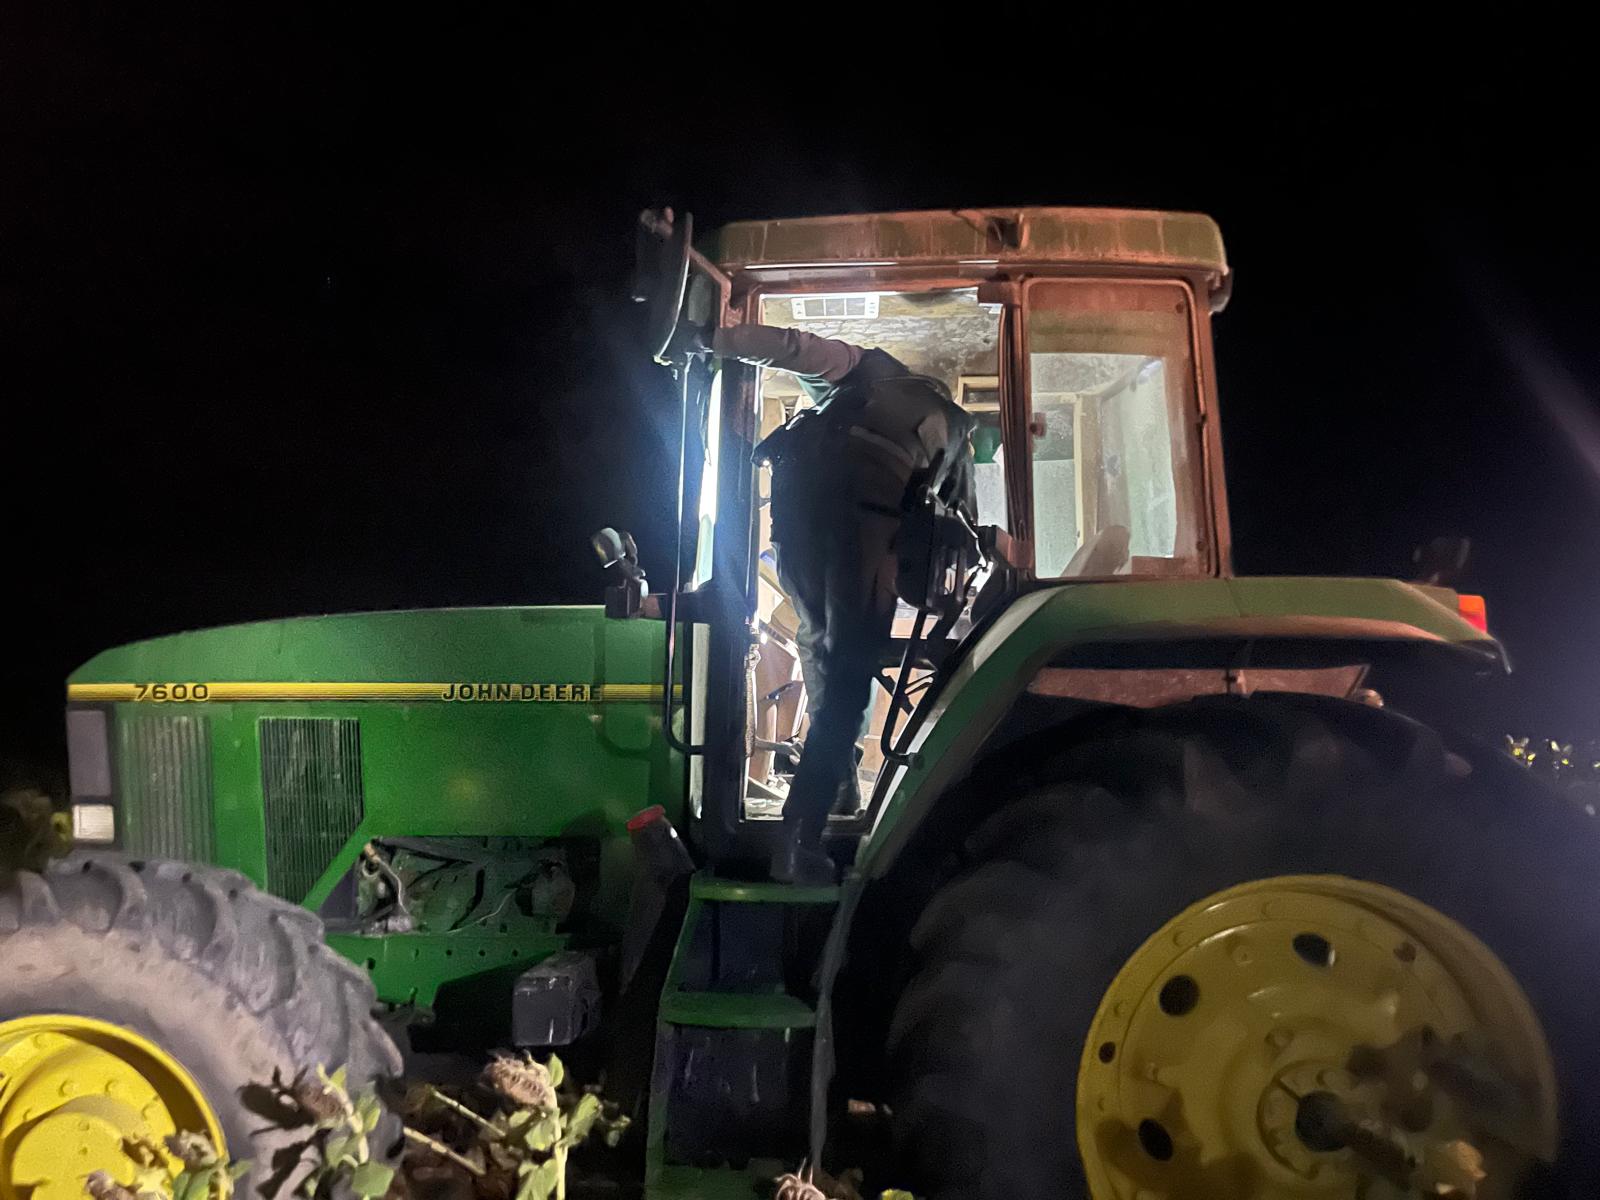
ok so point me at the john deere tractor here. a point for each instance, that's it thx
(1147, 894)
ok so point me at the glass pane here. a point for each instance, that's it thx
(1112, 385)
(706, 527)
(989, 468)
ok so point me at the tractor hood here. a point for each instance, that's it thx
(280, 747)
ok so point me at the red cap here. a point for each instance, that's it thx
(648, 816)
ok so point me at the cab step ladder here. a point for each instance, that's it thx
(729, 1020)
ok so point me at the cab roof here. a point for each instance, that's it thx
(1188, 242)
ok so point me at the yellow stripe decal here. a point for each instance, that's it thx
(462, 692)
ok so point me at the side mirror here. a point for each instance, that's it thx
(661, 273)
(1441, 562)
(619, 554)
(612, 548)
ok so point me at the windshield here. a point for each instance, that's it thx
(1113, 428)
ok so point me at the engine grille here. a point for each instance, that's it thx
(164, 785)
(311, 792)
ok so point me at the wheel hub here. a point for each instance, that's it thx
(75, 1092)
(1312, 1036)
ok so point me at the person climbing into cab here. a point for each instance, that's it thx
(844, 474)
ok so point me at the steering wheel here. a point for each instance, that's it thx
(661, 273)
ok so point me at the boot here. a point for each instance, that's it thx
(847, 801)
(799, 859)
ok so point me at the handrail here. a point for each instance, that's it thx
(886, 738)
(673, 740)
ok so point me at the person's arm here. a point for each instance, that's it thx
(819, 362)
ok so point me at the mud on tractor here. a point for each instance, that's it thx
(1148, 894)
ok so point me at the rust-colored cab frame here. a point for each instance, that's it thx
(1003, 253)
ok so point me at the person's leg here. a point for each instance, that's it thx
(879, 567)
(826, 761)
(857, 612)
(801, 573)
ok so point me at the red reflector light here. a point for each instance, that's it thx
(648, 816)
(1474, 612)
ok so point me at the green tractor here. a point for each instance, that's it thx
(1148, 894)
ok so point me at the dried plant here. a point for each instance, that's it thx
(521, 1150)
(524, 1081)
(202, 1173)
(339, 1146)
(797, 1185)
(517, 1152)
(812, 1183)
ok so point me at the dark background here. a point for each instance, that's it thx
(301, 318)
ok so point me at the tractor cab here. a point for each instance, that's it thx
(1080, 342)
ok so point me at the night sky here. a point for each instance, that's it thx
(301, 319)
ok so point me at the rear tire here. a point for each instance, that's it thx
(1108, 840)
(236, 985)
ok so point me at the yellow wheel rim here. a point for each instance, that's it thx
(1313, 1036)
(75, 1092)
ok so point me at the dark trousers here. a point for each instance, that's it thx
(839, 574)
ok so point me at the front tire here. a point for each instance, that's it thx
(234, 986)
(1108, 841)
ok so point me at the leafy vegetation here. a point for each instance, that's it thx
(519, 1150)
(191, 1169)
(31, 831)
(1574, 770)
(340, 1145)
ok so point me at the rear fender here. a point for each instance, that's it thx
(1159, 642)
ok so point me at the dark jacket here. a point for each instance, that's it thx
(875, 439)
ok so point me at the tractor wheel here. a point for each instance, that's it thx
(1260, 948)
(142, 999)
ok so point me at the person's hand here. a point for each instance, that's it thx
(688, 342)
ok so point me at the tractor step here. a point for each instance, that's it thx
(737, 1010)
(733, 1040)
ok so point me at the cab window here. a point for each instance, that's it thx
(1113, 428)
